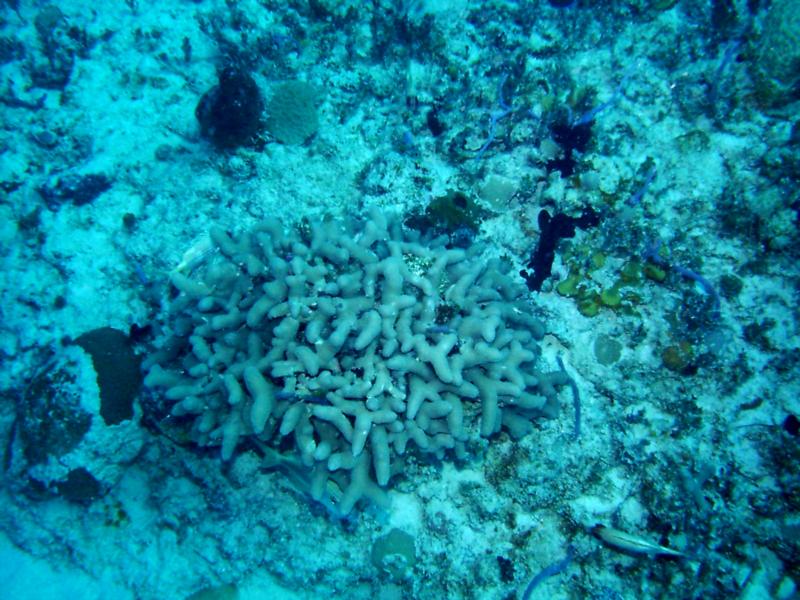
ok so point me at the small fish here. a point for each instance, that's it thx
(434, 329)
(294, 396)
(195, 255)
(631, 543)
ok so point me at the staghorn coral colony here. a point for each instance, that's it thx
(354, 341)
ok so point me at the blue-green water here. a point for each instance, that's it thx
(430, 300)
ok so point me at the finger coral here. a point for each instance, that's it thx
(350, 345)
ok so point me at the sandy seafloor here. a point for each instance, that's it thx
(686, 437)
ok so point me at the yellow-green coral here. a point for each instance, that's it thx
(589, 307)
(631, 272)
(611, 297)
(569, 286)
(654, 272)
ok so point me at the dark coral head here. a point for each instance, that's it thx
(230, 113)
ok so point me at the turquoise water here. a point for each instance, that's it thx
(426, 299)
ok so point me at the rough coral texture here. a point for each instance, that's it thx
(350, 346)
(292, 117)
(775, 63)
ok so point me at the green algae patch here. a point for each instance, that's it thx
(589, 307)
(569, 286)
(654, 273)
(611, 297)
(631, 272)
